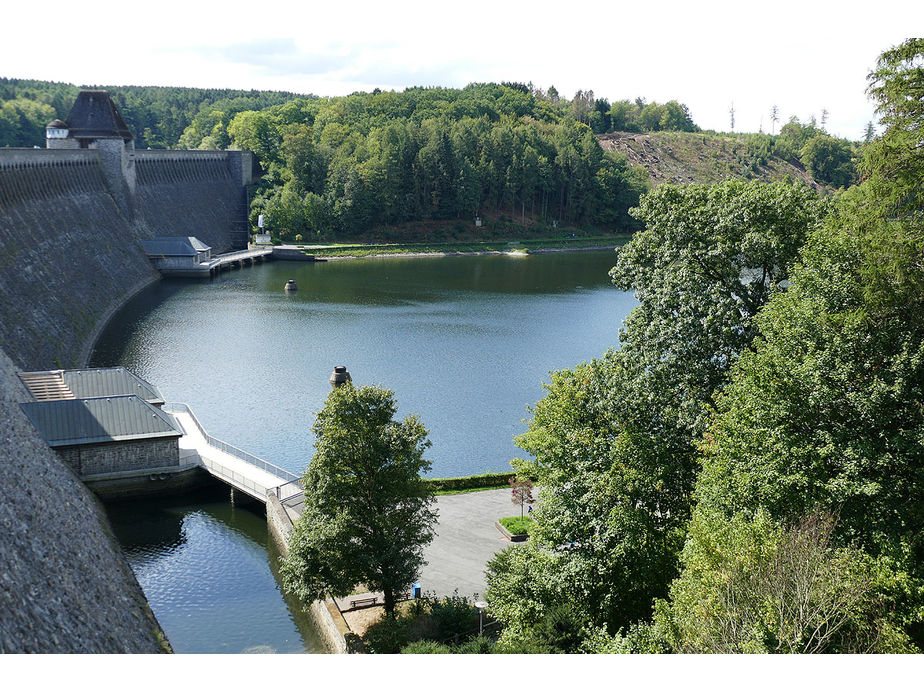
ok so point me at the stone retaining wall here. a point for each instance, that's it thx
(326, 616)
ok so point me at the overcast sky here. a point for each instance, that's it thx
(801, 56)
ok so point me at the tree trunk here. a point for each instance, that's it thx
(389, 601)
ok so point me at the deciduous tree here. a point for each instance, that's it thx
(614, 441)
(367, 513)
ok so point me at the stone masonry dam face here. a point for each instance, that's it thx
(70, 242)
(70, 255)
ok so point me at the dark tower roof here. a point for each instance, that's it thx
(56, 123)
(95, 115)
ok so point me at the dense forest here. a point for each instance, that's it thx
(522, 158)
(425, 162)
(157, 116)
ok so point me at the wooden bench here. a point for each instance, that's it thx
(363, 602)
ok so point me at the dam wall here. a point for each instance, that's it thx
(70, 239)
(65, 586)
(188, 193)
(69, 255)
(71, 225)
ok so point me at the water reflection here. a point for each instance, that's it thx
(206, 568)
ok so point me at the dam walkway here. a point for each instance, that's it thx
(235, 467)
(239, 258)
(187, 267)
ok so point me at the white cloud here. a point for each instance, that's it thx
(798, 55)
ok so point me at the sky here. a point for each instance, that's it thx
(713, 55)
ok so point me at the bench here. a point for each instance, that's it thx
(363, 602)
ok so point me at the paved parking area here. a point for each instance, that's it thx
(466, 539)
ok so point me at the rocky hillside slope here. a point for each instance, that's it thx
(685, 157)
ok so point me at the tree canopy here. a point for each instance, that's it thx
(367, 513)
(824, 416)
(613, 442)
(750, 458)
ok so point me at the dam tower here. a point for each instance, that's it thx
(94, 122)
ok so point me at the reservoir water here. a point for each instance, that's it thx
(206, 567)
(464, 342)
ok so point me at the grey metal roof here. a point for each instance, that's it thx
(84, 383)
(99, 420)
(183, 246)
(94, 114)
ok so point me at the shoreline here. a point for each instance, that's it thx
(459, 253)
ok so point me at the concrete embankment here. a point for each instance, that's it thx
(326, 616)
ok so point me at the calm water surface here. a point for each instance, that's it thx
(464, 342)
(205, 566)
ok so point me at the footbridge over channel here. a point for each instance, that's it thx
(235, 467)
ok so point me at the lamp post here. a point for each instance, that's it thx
(482, 605)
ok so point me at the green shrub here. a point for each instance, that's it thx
(477, 645)
(429, 622)
(387, 636)
(453, 616)
(426, 647)
(461, 483)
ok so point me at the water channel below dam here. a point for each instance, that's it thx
(464, 342)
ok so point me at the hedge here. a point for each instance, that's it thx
(461, 483)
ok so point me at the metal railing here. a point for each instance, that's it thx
(243, 254)
(242, 455)
(234, 478)
(289, 490)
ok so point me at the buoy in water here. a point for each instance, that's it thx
(291, 285)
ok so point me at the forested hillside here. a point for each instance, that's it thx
(424, 163)
(800, 151)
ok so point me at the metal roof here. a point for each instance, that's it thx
(85, 383)
(99, 420)
(175, 245)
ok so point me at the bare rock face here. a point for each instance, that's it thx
(65, 585)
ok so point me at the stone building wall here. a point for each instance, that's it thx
(120, 456)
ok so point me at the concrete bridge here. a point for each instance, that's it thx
(239, 469)
(239, 258)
